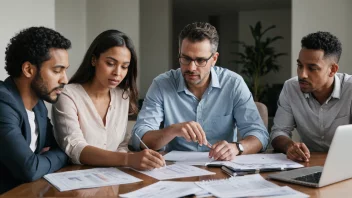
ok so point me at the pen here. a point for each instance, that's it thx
(146, 145)
(208, 144)
(141, 141)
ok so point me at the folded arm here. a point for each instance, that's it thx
(15, 153)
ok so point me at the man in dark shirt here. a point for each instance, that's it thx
(36, 61)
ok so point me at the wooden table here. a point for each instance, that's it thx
(41, 188)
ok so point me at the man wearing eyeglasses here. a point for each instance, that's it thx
(200, 105)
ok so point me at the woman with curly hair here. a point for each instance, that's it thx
(90, 118)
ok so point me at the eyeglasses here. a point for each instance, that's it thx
(199, 62)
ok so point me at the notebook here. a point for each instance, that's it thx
(337, 165)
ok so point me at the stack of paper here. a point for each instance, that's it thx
(89, 178)
(277, 161)
(243, 162)
(247, 186)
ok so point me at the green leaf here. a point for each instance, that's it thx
(258, 60)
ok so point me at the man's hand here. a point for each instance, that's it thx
(191, 131)
(145, 160)
(223, 151)
(298, 152)
(45, 149)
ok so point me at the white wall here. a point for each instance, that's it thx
(322, 15)
(282, 19)
(71, 22)
(16, 15)
(155, 41)
(114, 14)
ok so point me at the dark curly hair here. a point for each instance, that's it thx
(32, 45)
(103, 42)
(325, 41)
(199, 31)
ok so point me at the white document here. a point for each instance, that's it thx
(281, 192)
(233, 186)
(246, 186)
(188, 157)
(176, 171)
(89, 178)
(243, 162)
(163, 189)
(260, 161)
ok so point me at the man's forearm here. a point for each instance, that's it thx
(251, 145)
(280, 143)
(157, 139)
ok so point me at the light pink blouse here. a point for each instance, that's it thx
(78, 124)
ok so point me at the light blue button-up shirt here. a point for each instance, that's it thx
(226, 105)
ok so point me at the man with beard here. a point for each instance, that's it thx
(201, 105)
(36, 61)
(315, 102)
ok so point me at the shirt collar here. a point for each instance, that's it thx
(336, 92)
(214, 82)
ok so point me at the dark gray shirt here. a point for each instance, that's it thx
(315, 123)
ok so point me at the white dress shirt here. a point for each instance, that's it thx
(34, 130)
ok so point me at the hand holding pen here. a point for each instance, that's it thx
(298, 151)
(223, 151)
(191, 131)
(153, 159)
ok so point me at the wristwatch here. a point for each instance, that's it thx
(239, 147)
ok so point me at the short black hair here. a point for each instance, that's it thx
(199, 31)
(325, 41)
(32, 45)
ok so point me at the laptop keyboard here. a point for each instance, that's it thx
(311, 178)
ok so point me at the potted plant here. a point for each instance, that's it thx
(258, 60)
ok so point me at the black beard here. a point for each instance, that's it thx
(41, 90)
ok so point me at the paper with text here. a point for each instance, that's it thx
(176, 171)
(260, 161)
(188, 157)
(161, 189)
(90, 178)
(245, 186)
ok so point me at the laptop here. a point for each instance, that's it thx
(337, 165)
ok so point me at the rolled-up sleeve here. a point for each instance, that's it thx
(67, 129)
(246, 114)
(284, 121)
(150, 116)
